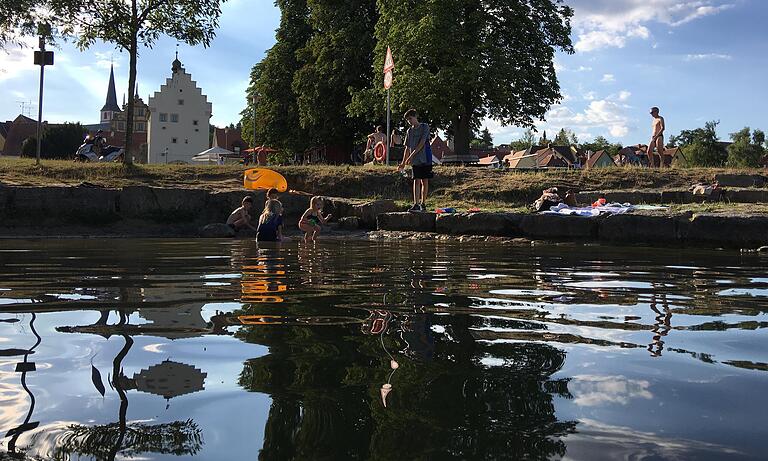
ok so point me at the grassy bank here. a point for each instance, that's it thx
(453, 186)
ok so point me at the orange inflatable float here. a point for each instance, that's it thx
(264, 179)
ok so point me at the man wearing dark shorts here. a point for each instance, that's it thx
(417, 154)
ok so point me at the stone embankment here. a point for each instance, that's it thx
(150, 211)
(741, 231)
(142, 211)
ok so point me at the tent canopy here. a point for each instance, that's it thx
(212, 154)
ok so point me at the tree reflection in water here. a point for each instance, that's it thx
(124, 439)
(454, 397)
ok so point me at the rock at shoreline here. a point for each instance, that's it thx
(416, 222)
(217, 230)
(486, 224)
(349, 223)
(741, 180)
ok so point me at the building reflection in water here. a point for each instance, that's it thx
(168, 379)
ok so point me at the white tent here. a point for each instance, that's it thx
(212, 155)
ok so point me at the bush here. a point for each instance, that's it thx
(59, 142)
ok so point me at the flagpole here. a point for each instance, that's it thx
(389, 135)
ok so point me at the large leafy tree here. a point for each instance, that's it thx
(460, 61)
(277, 112)
(129, 24)
(701, 146)
(336, 60)
(747, 149)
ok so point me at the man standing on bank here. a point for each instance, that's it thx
(658, 139)
(419, 155)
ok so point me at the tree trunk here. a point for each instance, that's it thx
(462, 132)
(133, 57)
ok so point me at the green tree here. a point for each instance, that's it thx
(527, 140)
(543, 140)
(747, 149)
(462, 61)
(130, 23)
(565, 137)
(17, 18)
(336, 60)
(601, 143)
(277, 112)
(58, 142)
(701, 146)
(483, 141)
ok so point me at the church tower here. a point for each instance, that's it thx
(110, 106)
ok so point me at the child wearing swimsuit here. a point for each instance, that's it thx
(312, 220)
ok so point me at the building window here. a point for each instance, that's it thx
(186, 141)
(174, 140)
(194, 122)
(163, 117)
(197, 129)
(140, 127)
(104, 115)
(121, 126)
(181, 102)
(174, 118)
(139, 111)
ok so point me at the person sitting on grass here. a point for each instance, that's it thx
(312, 220)
(271, 222)
(241, 217)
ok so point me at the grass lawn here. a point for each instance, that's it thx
(452, 186)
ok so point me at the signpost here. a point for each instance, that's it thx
(389, 66)
(42, 58)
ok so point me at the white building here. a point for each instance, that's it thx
(179, 120)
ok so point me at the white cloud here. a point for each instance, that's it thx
(708, 56)
(608, 78)
(590, 391)
(601, 114)
(604, 23)
(17, 60)
(624, 95)
(106, 59)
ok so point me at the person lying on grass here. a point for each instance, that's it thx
(312, 220)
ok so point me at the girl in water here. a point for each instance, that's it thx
(312, 219)
(271, 222)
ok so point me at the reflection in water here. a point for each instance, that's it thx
(383, 351)
(25, 367)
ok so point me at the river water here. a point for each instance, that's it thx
(218, 350)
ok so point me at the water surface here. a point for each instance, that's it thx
(213, 350)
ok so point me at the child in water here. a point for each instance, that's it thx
(312, 219)
(271, 222)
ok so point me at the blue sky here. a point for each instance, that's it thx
(698, 60)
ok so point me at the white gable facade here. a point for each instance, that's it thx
(179, 120)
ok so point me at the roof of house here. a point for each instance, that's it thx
(229, 138)
(440, 148)
(594, 158)
(20, 130)
(489, 160)
(5, 127)
(544, 157)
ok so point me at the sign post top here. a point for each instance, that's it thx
(389, 63)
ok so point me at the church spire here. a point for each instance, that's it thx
(111, 104)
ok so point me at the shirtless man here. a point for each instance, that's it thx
(657, 140)
(374, 138)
